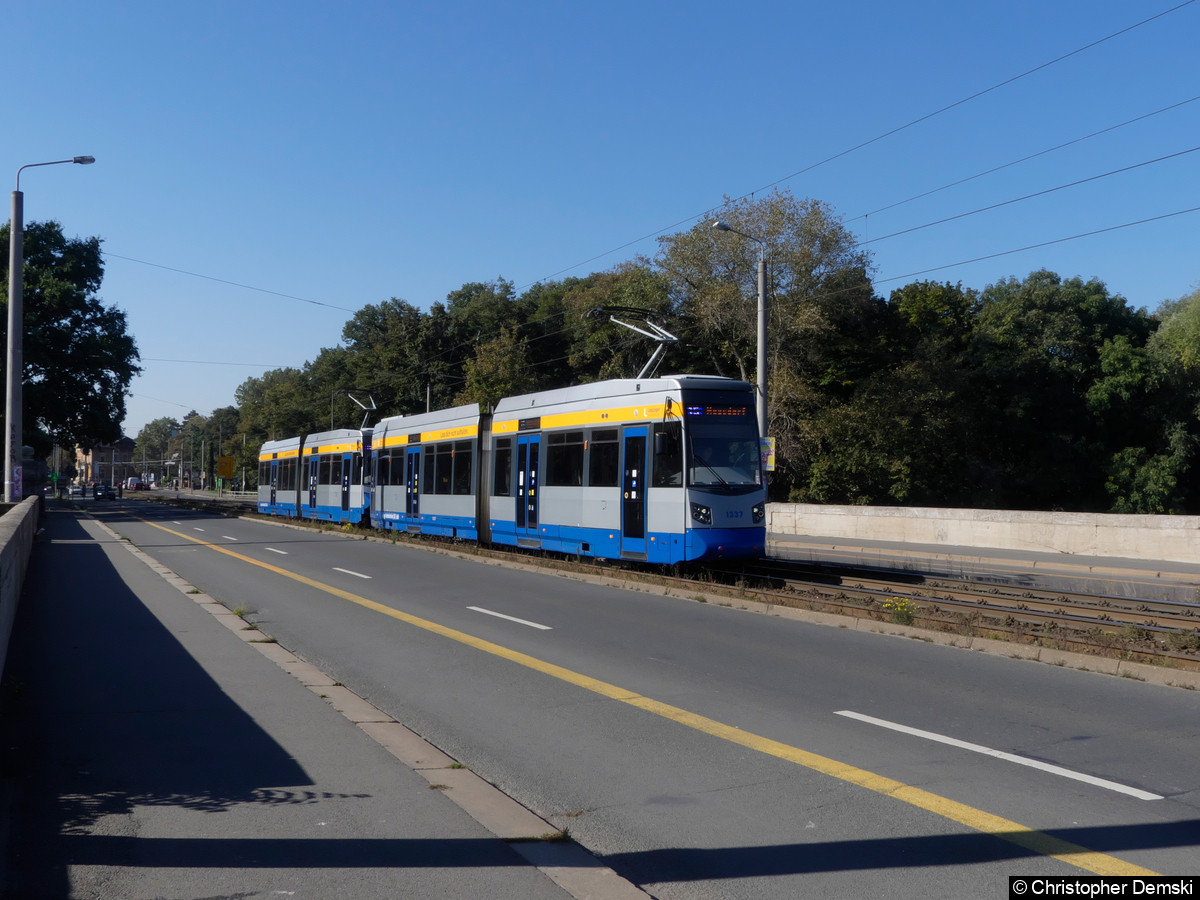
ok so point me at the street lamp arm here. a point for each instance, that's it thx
(81, 160)
(722, 226)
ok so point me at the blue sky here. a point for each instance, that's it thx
(264, 169)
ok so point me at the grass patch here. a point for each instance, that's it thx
(902, 610)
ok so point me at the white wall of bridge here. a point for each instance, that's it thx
(1175, 538)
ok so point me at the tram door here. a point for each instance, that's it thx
(527, 486)
(412, 483)
(347, 468)
(633, 493)
(274, 480)
(314, 470)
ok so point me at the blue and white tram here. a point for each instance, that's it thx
(317, 476)
(426, 469)
(278, 471)
(663, 470)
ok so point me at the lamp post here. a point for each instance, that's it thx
(13, 492)
(761, 388)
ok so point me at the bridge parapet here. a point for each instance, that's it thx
(1172, 538)
(18, 525)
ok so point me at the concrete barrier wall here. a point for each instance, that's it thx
(18, 525)
(1175, 538)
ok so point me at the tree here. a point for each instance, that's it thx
(1150, 396)
(385, 354)
(1037, 351)
(276, 405)
(825, 325)
(499, 369)
(153, 444)
(1179, 334)
(927, 311)
(79, 358)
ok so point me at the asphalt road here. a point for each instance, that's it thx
(705, 751)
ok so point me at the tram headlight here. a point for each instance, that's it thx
(759, 512)
(702, 514)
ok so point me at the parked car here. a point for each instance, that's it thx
(104, 492)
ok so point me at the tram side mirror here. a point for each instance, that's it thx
(661, 443)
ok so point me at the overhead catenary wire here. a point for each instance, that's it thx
(1036, 246)
(1024, 159)
(806, 169)
(1025, 197)
(880, 137)
(248, 287)
(924, 118)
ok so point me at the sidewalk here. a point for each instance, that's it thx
(149, 748)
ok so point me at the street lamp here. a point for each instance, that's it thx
(761, 389)
(13, 492)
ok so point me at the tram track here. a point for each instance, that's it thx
(1160, 631)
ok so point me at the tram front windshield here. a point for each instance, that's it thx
(723, 448)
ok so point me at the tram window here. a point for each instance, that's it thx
(323, 470)
(443, 468)
(429, 469)
(502, 473)
(356, 469)
(668, 455)
(564, 459)
(604, 459)
(462, 467)
(383, 467)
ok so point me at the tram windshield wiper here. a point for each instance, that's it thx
(700, 459)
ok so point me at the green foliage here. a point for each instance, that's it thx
(154, 444)
(1032, 393)
(79, 357)
(1036, 357)
(1178, 337)
(1140, 481)
(926, 310)
(499, 369)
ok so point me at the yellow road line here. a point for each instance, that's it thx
(1027, 838)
